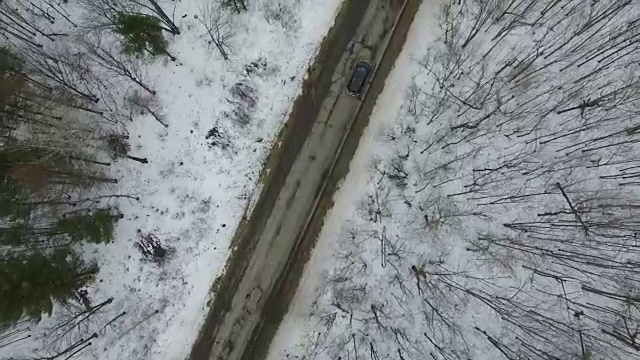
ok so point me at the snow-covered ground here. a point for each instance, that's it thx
(299, 327)
(489, 212)
(193, 191)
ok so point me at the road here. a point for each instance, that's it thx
(271, 247)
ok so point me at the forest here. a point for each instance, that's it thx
(73, 79)
(132, 137)
(499, 217)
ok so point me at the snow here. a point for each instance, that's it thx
(192, 194)
(406, 268)
(354, 188)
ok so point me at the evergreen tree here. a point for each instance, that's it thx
(17, 234)
(29, 285)
(10, 66)
(237, 5)
(10, 63)
(153, 7)
(141, 33)
(95, 227)
(11, 194)
(21, 170)
(44, 178)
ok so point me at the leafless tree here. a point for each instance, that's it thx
(119, 147)
(243, 99)
(281, 12)
(519, 142)
(77, 322)
(214, 18)
(113, 60)
(144, 104)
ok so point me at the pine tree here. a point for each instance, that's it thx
(10, 63)
(95, 227)
(31, 284)
(141, 33)
(11, 199)
(44, 182)
(237, 5)
(11, 194)
(10, 66)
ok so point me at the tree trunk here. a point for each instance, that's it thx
(138, 159)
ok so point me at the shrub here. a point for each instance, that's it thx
(151, 248)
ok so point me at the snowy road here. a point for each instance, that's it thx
(247, 307)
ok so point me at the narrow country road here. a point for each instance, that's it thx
(272, 246)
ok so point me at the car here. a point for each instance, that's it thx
(359, 78)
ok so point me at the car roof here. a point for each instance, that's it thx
(361, 70)
(360, 73)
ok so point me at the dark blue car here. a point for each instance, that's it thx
(359, 78)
